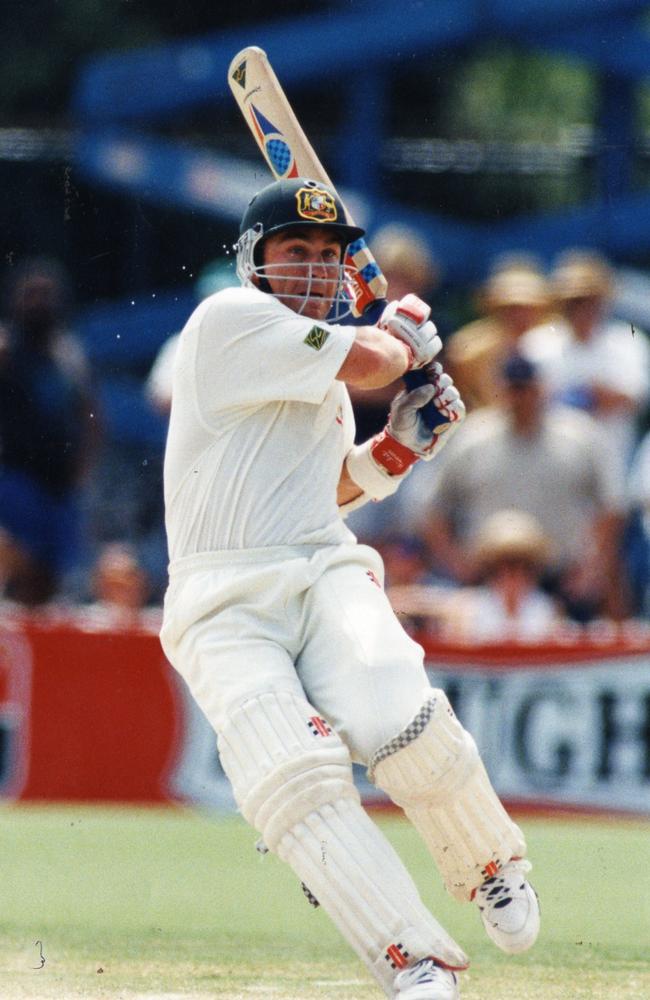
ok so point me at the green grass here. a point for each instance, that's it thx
(173, 904)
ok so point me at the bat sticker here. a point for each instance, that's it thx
(239, 75)
(274, 145)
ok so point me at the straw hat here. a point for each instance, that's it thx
(511, 534)
(515, 286)
(579, 275)
(400, 249)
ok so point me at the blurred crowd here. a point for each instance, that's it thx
(535, 516)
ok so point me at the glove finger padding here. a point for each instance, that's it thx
(446, 398)
(448, 401)
(405, 423)
(413, 327)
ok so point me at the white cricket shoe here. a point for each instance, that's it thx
(426, 980)
(509, 908)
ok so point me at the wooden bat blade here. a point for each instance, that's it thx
(270, 118)
(289, 153)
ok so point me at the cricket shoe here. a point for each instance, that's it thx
(426, 980)
(509, 908)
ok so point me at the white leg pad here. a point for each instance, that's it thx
(433, 771)
(293, 782)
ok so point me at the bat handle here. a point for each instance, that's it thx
(429, 413)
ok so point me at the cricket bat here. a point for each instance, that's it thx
(289, 153)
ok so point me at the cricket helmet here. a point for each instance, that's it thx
(296, 202)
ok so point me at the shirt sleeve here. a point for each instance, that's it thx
(252, 350)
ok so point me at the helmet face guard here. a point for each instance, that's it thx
(284, 205)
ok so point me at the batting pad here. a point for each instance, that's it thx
(292, 779)
(434, 772)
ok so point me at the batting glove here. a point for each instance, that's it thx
(407, 437)
(408, 320)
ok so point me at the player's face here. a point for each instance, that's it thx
(301, 266)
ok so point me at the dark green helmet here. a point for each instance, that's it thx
(298, 202)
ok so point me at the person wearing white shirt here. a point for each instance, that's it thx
(277, 618)
(589, 360)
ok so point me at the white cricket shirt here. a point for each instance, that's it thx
(259, 428)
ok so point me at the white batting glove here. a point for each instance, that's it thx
(408, 320)
(446, 398)
(408, 436)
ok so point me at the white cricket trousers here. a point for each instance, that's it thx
(312, 620)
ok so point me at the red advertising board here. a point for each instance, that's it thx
(93, 712)
(98, 715)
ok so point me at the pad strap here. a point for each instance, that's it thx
(391, 454)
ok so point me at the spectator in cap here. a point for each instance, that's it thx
(510, 555)
(514, 298)
(589, 360)
(549, 463)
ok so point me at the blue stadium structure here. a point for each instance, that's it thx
(121, 99)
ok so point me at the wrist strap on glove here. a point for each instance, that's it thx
(372, 472)
(390, 453)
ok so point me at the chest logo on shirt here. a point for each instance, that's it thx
(316, 337)
(316, 204)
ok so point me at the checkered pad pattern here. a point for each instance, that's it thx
(403, 739)
(279, 155)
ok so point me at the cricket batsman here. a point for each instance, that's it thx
(277, 619)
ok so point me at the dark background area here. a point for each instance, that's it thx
(117, 245)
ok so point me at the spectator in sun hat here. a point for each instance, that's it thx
(510, 555)
(515, 297)
(588, 359)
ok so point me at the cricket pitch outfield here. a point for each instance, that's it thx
(175, 904)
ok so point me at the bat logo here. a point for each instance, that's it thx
(239, 75)
(275, 146)
(316, 205)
